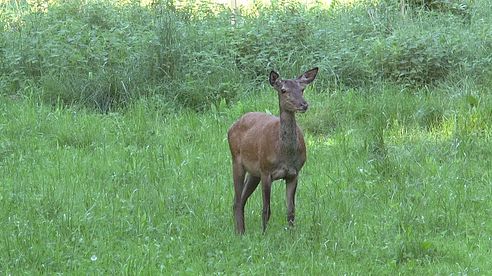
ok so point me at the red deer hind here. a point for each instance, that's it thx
(266, 148)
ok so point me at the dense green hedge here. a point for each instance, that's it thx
(105, 55)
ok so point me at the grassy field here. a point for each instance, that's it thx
(395, 183)
(114, 157)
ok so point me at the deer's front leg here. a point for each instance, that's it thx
(290, 194)
(266, 182)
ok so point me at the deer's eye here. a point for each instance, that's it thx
(283, 91)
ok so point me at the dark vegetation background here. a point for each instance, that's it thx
(103, 55)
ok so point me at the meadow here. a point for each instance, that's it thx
(114, 157)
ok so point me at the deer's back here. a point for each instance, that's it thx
(247, 132)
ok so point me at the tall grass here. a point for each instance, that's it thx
(395, 183)
(102, 55)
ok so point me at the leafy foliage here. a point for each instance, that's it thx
(416, 58)
(105, 55)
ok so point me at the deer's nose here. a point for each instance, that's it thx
(304, 106)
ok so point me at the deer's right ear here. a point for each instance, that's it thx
(308, 77)
(274, 76)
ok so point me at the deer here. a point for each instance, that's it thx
(265, 148)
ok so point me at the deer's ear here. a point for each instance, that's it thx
(308, 76)
(274, 76)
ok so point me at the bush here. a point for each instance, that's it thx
(458, 7)
(278, 38)
(415, 59)
(105, 55)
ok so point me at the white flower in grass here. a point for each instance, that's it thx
(94, 258)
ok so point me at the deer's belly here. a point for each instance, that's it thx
(252, 167)
(284, 172)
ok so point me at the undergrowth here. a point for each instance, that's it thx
(104, 55)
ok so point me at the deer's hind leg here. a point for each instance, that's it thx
(249, 187)
(238, 174)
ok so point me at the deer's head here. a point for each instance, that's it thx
(291, 91)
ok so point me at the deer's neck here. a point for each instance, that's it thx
(288, 134)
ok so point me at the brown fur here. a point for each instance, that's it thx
(266, 148)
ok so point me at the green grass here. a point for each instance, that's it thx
(395, 182)
(114, 158)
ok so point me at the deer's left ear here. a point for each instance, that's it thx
(308, 76)
(274, 76)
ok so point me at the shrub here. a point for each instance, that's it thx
(458, 7)
(415, 59)
(105, 55)
(278, 38)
